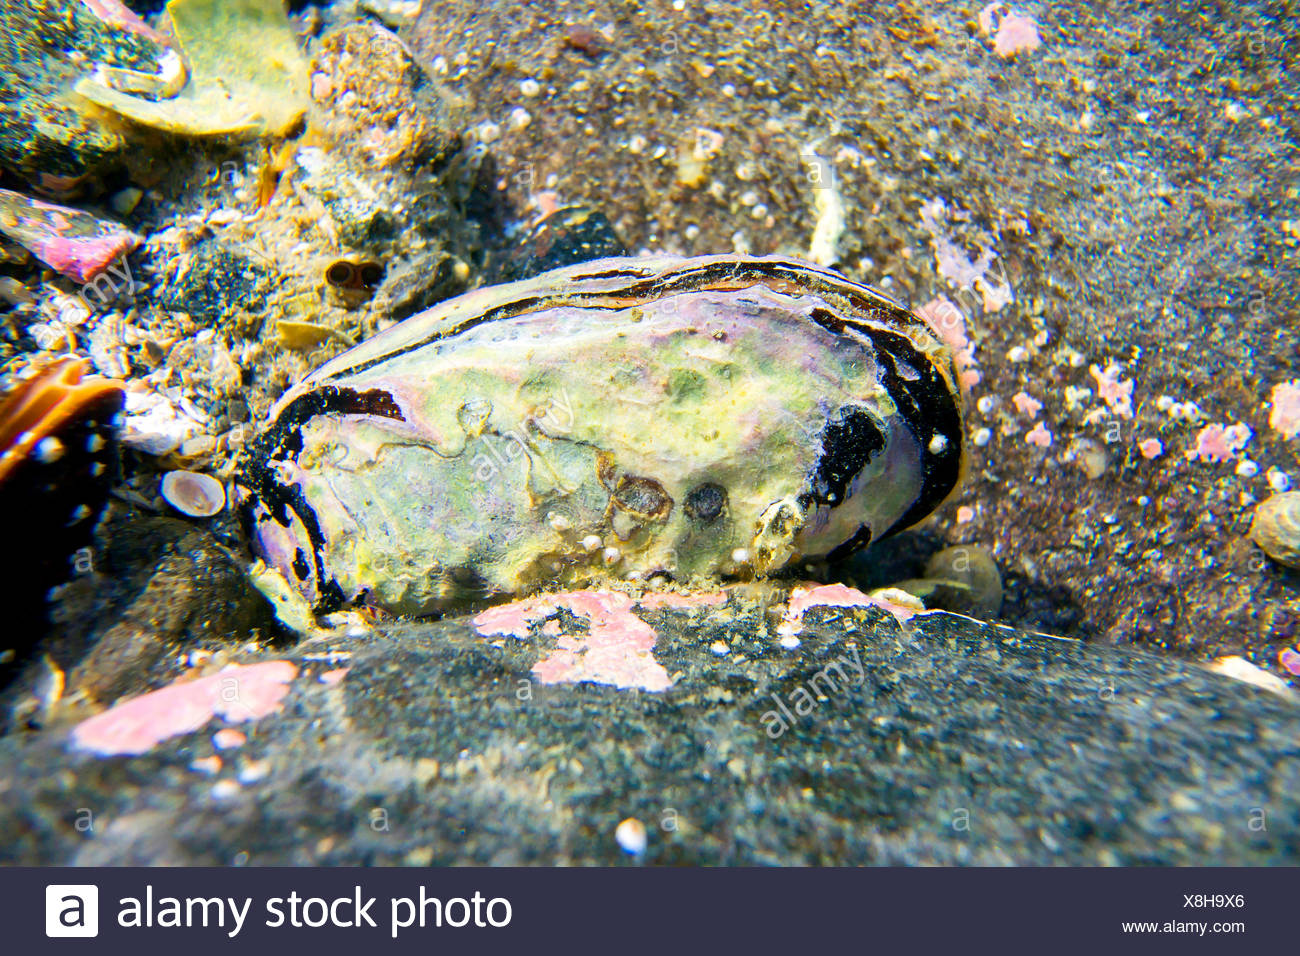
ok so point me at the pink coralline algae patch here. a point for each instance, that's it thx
(617, 648)
(72, 242)
(1012, 32)
(948, 321)
(1285, 416)
(1150, 448)
(1026, 404)
(1217, 443)
(84, 257)
(1039, 435)
(1117, 393)
(834, 595)
(116, 14)
(139, 724)
(1289, 660)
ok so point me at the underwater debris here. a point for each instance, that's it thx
(70, 241)
(247, 75)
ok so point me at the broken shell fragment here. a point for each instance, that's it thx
(678, 412)
(71, 242)
(193, 493)
(1276, 528)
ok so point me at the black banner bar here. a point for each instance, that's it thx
(643, 910)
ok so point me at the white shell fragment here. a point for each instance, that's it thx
(193, 493)
(157, 424)
(631, 836)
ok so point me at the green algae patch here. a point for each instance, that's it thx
(247, 75)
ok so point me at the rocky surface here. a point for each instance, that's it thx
(1132, 182)
(955, 743)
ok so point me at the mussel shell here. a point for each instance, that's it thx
(694, 414)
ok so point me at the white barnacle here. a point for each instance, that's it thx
(48, 450)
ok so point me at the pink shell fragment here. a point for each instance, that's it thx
(1290, 660)
(1151, 448)
(1285, 416)
(139, 724)
(615, 650)
(1039, 435)
(1117, 393)
(70, 241)
(834, 595)
(1217, 443)
(1026, 404)
(84, 257)
(1013, 32)
(115, 14)
(949, 322)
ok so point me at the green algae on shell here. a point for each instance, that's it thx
(698, 417)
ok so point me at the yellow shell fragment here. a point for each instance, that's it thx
(302, 336)
(246, 73)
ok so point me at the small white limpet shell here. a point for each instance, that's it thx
(193, 493)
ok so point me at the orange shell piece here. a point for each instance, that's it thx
(43, 404)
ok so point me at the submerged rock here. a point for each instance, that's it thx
(940, 742)
(218, 281)
(47, 136)
(1276, 528)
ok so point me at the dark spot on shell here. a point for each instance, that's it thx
(643, 498)
(705, 502)
(300, 565)
(849, 442)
